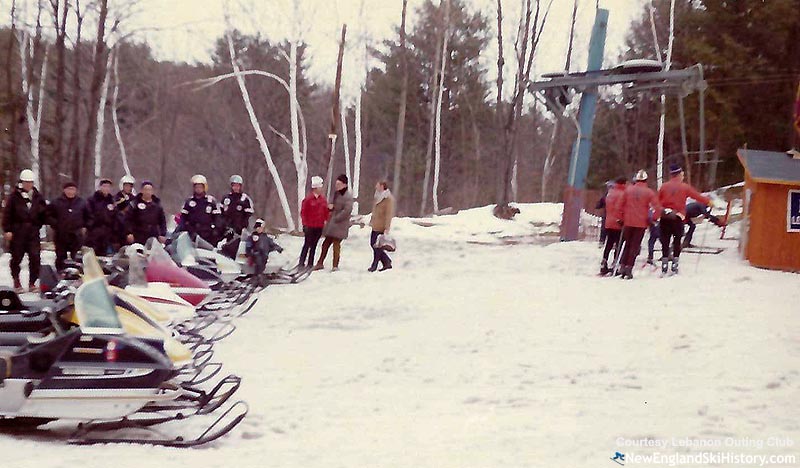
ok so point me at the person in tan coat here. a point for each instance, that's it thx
(382, 214)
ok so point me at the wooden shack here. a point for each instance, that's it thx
(770, 235)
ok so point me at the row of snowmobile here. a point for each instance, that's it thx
(121, 348)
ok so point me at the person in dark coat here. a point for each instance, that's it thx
(237, 207)
(104, 219)
(697, 211)
(338, 225)
(201, 214)
(122, 200)
(69, 216)
(313, 213)
(145, 218)
(23, 216)
(258, 247)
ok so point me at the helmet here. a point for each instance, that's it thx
(237, 179)
(134, 249)
(200, 179)
(126, 179)
(316, 182)
(26, 176)
(259, 222)
(641, 176)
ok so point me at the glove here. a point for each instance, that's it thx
(8, 236)
(130, 238)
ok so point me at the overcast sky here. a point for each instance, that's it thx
(185, 30)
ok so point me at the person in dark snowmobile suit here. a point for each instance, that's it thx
(122, 200)
(145, 217)
(104, 219)
(237, 207)
(201, 214)
(69, 216)
(258, 247)
(24, 214)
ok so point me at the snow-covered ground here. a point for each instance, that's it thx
(478, 355)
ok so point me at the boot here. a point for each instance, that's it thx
(18, 286)
(627, 272)
(33, 288)
(388, 266)
(318, 267)
(650, 261)
(675, 266)
(664, 265)
(604, 270)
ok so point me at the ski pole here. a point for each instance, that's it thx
(620, 248)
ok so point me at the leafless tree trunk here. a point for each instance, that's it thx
(438, 159)
(34, 104)
(101, 119)
(114, 106)
(75, 150)
(260, 136)
(300, 161)
(549, 160)
(401, 115)
(60, 12)
(431, 124)
(98, 76)
(346, 145)
(11, 99)
(335, 111)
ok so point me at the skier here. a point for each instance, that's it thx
(697, 211)
(636, 203)
(237, 207)
(338, 225)
(382, 214)
(201, 214)
(613, 222)
(259, 246)
(313, 213)
(104, 218)
(23, 216)
(672, 196)
(655, 233)
(145, 218)
(122, 200)
(69, 216)
(601, 205)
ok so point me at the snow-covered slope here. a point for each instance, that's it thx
(468, 355)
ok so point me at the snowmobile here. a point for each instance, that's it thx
(236, 247)
(99, 374)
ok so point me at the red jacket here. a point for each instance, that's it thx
(614, 206)
(314, 211)
(636, 203)
(673, 195)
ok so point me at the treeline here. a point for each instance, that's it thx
(173, 124)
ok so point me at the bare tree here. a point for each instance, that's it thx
(114, 106)
(260, 136)
(433, 88)
(335, 111)
(99, 71)
(60, 10)
(401, 115)
(438, 158)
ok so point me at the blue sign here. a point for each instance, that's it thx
(793, 211)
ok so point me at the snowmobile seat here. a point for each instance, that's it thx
(13, 339)
(17, 322)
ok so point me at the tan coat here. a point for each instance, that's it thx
(382, 214)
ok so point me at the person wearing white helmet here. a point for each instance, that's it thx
(24, 214)
(637, 201)
(237, 207)
(201, 214)
(313, 214)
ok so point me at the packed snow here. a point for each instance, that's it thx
(488, 354)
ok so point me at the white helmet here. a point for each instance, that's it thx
(259, 222)
(641, 176)
(26, 176)
(237, 179)
(134, 249)
(200, 179)
(126, 179)
(316, 182)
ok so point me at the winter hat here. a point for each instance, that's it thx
(69, 184)
(316, 182)
(146, 182)
(675, 169)
(621, 181)
(259, 222)
(105, 181)
(342, 178)
(641, 176)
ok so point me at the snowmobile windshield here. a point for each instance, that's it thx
(185, 251)
(136, 273)
(203, 244)
(160, 256)
(95, 308)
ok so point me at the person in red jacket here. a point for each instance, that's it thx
(313, 213)
(672, 196)
(613, 222)
(636, 204)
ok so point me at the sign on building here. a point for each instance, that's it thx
(793, 211)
